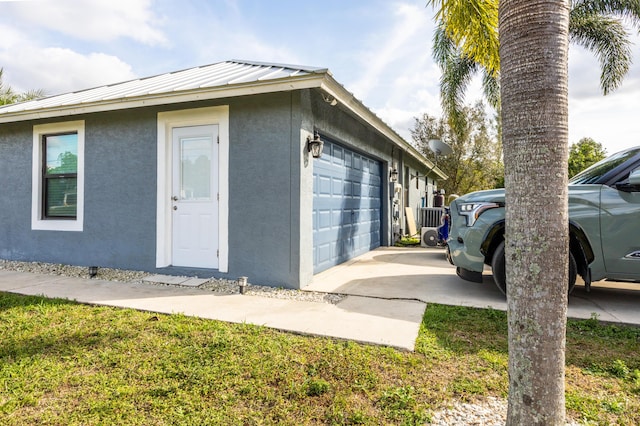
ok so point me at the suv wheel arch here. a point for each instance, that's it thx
(582, 252)
(492, 240)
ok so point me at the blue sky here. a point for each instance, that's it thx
(378, 49)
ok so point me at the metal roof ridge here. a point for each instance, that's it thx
(310, 69)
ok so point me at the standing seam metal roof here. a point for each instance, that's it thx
(204, 82)
(207, 76)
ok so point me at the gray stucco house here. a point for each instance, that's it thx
(206, 171)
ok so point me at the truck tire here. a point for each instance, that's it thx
(499, 274)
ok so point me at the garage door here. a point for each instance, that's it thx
(347, 205)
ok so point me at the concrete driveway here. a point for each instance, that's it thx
(423, 274)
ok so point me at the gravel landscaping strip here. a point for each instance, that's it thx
(213, 284)
(489, 412)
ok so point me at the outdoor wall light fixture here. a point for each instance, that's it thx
(314, 146)
(393, 175)
(93, 271)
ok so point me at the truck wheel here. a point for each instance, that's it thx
(573, 272)
(497, 268)
(499, 274)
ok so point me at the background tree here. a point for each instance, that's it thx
(476, 161)
(583, 154)
(9, 96)
(534, 47)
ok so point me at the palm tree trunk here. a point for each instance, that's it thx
(534, 60)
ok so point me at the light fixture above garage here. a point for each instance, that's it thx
(314, 146)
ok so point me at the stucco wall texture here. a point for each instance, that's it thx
(270, 185)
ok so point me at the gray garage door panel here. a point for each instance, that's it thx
(347, 205)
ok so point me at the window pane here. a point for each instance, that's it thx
(61, 197)
(62, 153)
(196, 168)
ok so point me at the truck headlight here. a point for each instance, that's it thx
(472, 211)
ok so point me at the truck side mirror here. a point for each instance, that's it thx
(632, 184)
(634, 177)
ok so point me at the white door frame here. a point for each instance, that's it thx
(183, 118)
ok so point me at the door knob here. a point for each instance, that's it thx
(175, 207)
(174, 198)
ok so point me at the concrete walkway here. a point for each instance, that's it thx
(384, 322)
(388, 290)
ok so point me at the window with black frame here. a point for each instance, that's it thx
(60, 176)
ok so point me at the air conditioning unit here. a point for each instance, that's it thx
(431, 216)
(428, 236)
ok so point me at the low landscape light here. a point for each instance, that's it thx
(242, 283)
(93, 271)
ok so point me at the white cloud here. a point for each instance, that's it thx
(244, 45)
(610, 120)
(10, 37)
(399, 81)
(57, 70)
(392, 46)
(97, 20)
(412, 94)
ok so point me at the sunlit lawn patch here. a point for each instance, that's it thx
(66, 363)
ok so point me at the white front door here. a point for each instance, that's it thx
(195, 196)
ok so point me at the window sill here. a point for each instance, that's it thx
(57, 225)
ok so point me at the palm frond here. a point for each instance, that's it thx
(607, 38)
(626, 9)
(455, 79)
(491, 88)
(473, 26)
(30, 95)
(443, 47)
(9, 96)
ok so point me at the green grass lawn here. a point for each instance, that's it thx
(63, 363)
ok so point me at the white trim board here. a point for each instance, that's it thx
(37, 222)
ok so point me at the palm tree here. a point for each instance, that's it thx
(9, 96)
(534, 47)
(597, 25)
(531, 66)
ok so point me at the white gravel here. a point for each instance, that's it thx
(213, 284)
(490, 412)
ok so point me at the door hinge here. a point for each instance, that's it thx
(218, 196)
(218, 138)
(218, 253)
